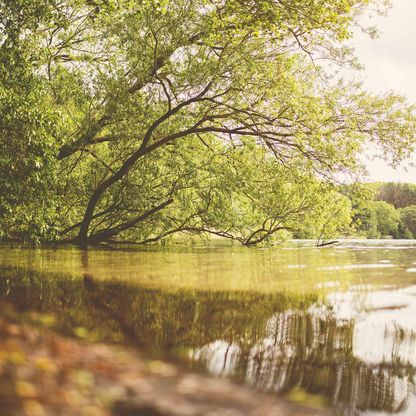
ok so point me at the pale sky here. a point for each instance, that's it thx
(390, 64)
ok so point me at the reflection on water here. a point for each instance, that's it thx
(220, 357)
(338, 324)
(354, 366)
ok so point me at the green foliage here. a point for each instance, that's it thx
(408, 221)
(124, 120)
(374, 212)
(398, 194)
(27, 162)
(378, 219)
(331, 217)
(387, 218)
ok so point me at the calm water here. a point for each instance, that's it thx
(332, 327)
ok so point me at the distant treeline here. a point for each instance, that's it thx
(393, 212)
(400, 195)
(386, 210)
(374, 210)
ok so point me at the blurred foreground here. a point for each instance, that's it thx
(43, 374)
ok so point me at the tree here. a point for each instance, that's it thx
(201, 116)
(386, 218)
(331, 217)
(28, 124)
(408, 221)
(398, 194)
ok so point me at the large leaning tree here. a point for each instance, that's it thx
(136, 120)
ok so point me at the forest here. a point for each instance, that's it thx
(371, 210)
(391, 211)
(142, 121)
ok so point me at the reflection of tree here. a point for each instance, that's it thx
(273, 342)
(302, 350)
(155, 318)
(220, 357)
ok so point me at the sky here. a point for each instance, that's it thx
(390, 64)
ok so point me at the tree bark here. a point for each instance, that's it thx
(110, 233)
(143, 149)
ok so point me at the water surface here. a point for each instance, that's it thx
(332, 327)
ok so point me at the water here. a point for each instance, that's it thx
(332, 327)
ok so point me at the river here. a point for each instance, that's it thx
(330, 327)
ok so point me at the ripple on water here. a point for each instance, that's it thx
(358, 266)
(327, 284)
